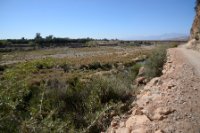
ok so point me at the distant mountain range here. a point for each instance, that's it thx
(169, 36)
(172, 36)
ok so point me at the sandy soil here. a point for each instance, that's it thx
(170, 103)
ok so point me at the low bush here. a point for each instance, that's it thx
(94, 66)
(98, 65)
(65, 67)
(135, 70)
(129, 64)
(109, 89)
(83, 67)
(2, 68)
(52, 105)
(47, 63)
(155, 62)
(106, 66)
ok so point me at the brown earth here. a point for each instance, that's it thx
(167, 104)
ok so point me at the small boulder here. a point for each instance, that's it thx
(155, 81)
(114, 123)
(122, 124)
(158, 117)
(123, 130)
(140, 130)
(159, 131)
(141, 71)
(137, 112)
(164, 110)
(137, 120)
(113, 113)
(140, 80)
(160, 113)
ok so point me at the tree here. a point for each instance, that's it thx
(38, 40)
(38, 36)
(50, 37)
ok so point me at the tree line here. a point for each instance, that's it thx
(39, 41)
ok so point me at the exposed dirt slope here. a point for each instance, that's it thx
(169, 104)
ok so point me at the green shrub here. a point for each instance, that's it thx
(16, 93)
(97, 65)
(84, 67)
(47, 63)
(2, 68)
(135, 70)
(155, 62)
(94, 66)
(129, 64)
(109, 89)
(65, 67)
(55, 105)
(106, 66)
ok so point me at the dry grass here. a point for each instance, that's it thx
(76, 55)
(122, 57)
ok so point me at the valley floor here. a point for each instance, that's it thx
(170, 103)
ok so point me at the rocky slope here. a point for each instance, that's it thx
(167, 104)
(195, 30)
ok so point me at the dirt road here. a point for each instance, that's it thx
(193, 57)
(170, 103)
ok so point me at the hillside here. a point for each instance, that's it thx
(195, 30)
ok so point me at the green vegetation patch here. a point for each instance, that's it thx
(74, 98)
(58, 105)
(155, 62)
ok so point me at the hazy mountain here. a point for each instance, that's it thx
(168, 36)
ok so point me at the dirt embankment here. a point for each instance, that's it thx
(168, 104)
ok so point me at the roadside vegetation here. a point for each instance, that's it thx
(72, 95)
(154, 64)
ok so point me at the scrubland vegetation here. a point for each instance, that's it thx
(79, 93)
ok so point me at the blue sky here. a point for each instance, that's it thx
(122, 19)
